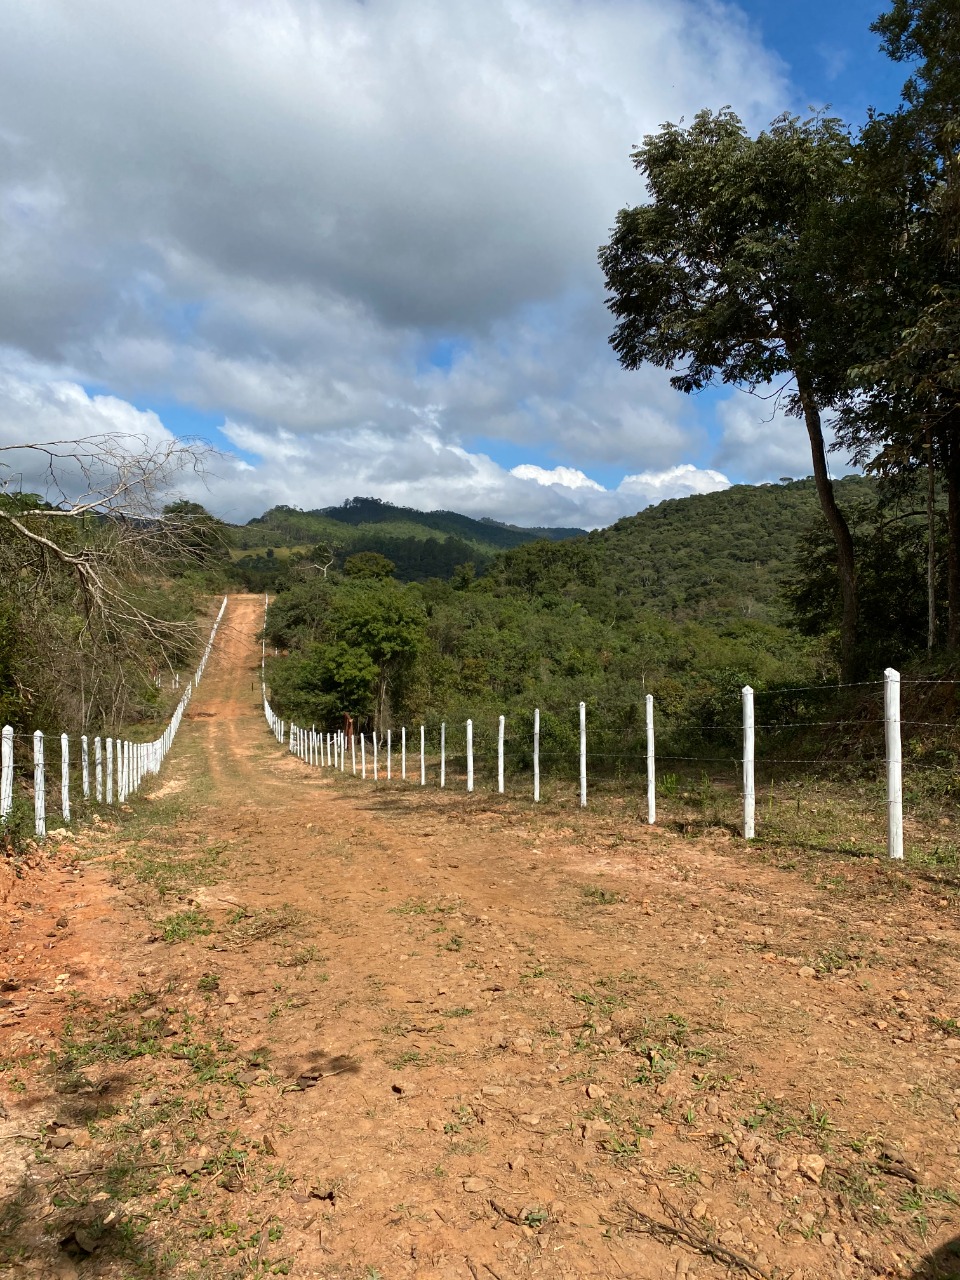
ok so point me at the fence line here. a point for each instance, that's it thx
(891, 721)
(127, 763)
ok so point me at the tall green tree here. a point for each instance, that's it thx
(904, 408)
(738, 271)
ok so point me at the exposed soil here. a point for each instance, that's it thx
(276, 1020)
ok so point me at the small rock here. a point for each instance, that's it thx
(807, 971)
(62, 922)
(435, 1125)
(60, 1141)
(403, 1090)
(828, 1238)
(596, 1091)
(699, 1210)
(517, 1162)
(812, 1167)
(232, 1000)
(492, 1090)
(474, 1185)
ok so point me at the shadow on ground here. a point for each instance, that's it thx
(944, 1264)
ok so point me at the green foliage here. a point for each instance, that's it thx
(368, 564)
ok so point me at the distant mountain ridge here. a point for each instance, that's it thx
(422, 544)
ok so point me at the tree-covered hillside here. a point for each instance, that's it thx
(421, 544)
(712, 555)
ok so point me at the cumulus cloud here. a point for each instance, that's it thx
(336, 221)
(763, 443)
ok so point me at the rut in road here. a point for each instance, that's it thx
(431, 1035)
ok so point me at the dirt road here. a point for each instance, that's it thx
(317, 1027)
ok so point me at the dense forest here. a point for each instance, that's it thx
(688, 600)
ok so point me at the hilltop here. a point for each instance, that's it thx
(422, 544)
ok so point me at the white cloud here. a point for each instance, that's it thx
(322, 469)
(762, 443)
(277, 211)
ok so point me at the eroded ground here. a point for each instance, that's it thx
(280, 1022)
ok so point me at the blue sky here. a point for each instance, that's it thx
(354, 246)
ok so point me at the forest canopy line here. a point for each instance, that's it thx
(822, 268)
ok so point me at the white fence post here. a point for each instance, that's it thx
(443, 753)
(98, 769)
(583, 755)
(363, 755)
(403, 754)
(536, 755)
(500, 729)
(6, 771)
(65, 777)
(85, 766)
(651, 765)
(343, 751)
(423, 762)
(109, 771)
(389, 756)
(891, 732)
(376, 773)
(469, 755)
(749, 793)
(39, 797)
(353, 753)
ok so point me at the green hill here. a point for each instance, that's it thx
(422, 545)
(710, 555)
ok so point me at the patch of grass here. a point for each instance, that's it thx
(599, 896)
(184, 925)
(208, 982)
(412, 907)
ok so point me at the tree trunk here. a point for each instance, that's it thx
(952, 468)
(931, 546)
(846, 565)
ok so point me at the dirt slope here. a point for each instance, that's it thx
(309, 1026)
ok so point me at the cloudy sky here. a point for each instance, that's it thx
(352, 243)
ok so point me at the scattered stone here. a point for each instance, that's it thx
(492, 1090)
(812, 1167)
(828, 1238)
(60, 1141)
(699, 1210)
(807, 971)
(474, 1185)
(596, 1091)
(62, 922)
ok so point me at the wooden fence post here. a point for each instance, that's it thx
(749, 792)
(536, 755)
(891, 733)
(39, 786)
(6, 771)
(583, 755)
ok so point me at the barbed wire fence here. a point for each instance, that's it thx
(449, 754)
(119, 764)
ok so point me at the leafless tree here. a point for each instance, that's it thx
(83, 559)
